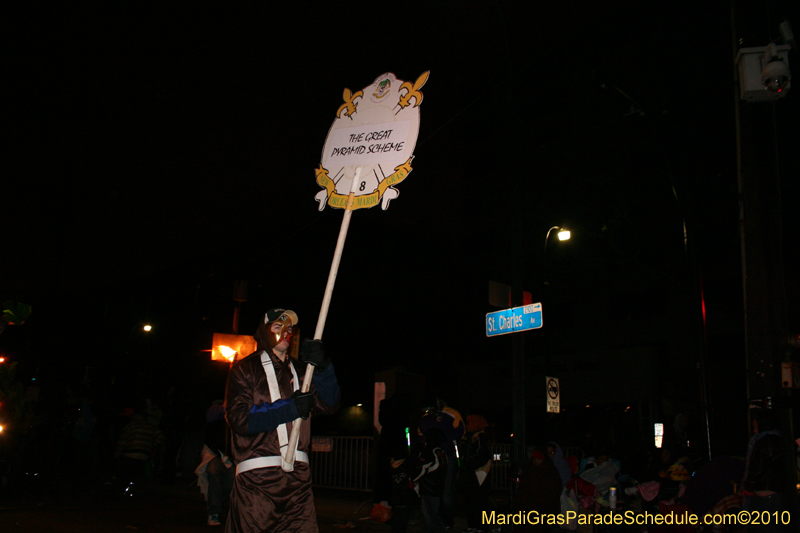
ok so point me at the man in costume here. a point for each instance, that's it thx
(448, 420)
(262, 401)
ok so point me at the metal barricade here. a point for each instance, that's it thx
(342, 462)
(573, 450)
(347, 463)
(501, 466)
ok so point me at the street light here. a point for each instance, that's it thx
(563, 235)
(145, 327)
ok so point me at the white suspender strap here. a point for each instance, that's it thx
(275, 392)
(295, 380)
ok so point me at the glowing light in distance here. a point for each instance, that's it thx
(658, 433)
(227, 352)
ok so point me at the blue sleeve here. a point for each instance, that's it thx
(268, 416)
(327, 386)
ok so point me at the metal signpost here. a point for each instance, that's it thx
(516, 320)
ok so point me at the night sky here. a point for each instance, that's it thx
(155, 156)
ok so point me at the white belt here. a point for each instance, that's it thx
(266, 462)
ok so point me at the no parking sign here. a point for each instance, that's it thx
(553, 395)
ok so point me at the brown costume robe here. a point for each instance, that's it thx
(268, 499)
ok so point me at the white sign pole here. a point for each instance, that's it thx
(287, 462)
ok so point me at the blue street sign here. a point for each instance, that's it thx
(513, 320)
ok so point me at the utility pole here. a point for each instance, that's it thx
(239, 296)
(762, 164)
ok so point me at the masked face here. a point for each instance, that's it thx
(275, 334)
(280, 332)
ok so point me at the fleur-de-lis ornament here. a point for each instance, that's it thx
(412, 91)
(349, 103)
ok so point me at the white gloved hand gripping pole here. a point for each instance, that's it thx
(287, 462)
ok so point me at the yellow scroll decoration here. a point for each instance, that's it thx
(365, 200)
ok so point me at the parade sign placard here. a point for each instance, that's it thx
(373, 137)
(368, 151)
(514, 320)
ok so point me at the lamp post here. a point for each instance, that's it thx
(563, 235)
(146, 329)
(518, 365)
(141, 342)
(130, 346)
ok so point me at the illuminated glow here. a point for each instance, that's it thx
(563, 235)
(1, 429)
(148, 327)
(588, 406)
(359, 404)
(241, 344)
(227, 352)
(658, 430)
(2, 359)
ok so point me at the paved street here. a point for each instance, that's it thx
(53, 506)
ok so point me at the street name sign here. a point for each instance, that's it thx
(514, 320)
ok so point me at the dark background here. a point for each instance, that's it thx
(154, 156)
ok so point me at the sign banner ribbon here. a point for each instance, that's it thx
(365, 200)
